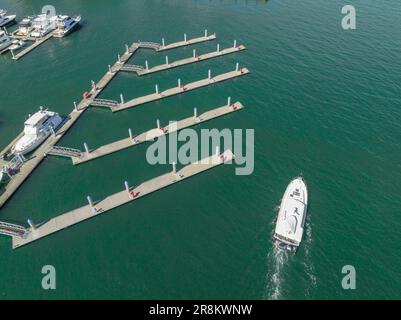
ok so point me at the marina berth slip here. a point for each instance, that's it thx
(292, 215)
(129, 194)
(18, 168)
(78, 156)
(6, 19)
(65, 25)
(24, 27)
(37, 129)
(37, 29)
(17, 44)
(5, 40)
(42, 25)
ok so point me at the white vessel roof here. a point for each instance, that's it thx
(38, 117)
(292, 214)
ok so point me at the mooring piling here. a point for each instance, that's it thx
(174, 167)
(86, 148)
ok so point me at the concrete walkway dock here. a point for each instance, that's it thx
(150, 135)
(120, 198)
(170, 65)
(38, 155)
(180, 88)
(35, 44)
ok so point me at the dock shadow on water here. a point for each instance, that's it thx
(280, 264)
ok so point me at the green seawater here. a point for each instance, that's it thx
(323, 101)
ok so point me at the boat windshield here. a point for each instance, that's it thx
(30, 130)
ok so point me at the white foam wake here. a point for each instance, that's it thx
(308, 264)
(277, 260)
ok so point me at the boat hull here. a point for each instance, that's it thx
(7, 20)
(291, 218)
(24, 145)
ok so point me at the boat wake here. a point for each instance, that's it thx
(307, 263)
(277, 260)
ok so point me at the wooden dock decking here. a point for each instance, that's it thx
(178, 90)
(155, 133)
(120, 198)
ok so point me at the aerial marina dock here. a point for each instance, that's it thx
(38, 29)
(36, 43)
(144, 70)
(78, 156)
(129, 194)
(35, 158)
(180, 88)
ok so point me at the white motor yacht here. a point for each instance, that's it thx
(5, 40)
(291, 217)
(66, 24)
(17, 44)
(41, 26)
(24, 27)
(37, 129)
(4, 19)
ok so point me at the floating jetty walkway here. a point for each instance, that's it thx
(78, 157)
(38, 155)
(127, 195)
(180, 88)
(36, 43)
(144, 70)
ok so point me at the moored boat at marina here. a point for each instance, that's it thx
(5, 40)
(65, 24)
(4, 19)
(37, 129)
(291, 218)
(17, 44)
(41, 26)
(24, 27)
